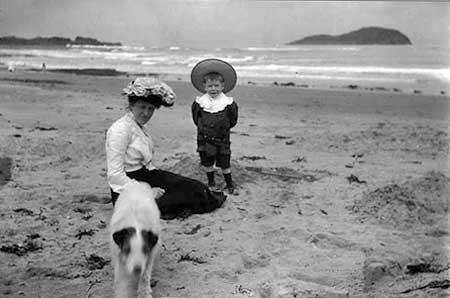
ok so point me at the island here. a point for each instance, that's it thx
(53, 41)
(363, 36)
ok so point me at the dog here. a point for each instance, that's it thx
(134, 239)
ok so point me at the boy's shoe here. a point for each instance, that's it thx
(232, 190)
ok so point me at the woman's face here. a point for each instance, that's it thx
(142, 111)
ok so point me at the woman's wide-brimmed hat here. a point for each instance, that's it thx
(213, 65)
(147, 86)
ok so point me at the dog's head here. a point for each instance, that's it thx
(135, 248)
(214, 200)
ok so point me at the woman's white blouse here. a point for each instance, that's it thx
(128, 148)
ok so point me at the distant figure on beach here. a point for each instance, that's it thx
(44, 67)
(129, 154)
(215, 114)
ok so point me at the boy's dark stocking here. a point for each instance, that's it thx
(228, 179)
(229, 183)
(210, 176)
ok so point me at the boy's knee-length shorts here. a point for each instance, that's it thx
(220, 160)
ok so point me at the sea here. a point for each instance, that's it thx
(399, 68)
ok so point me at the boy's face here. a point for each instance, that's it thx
(213, 87)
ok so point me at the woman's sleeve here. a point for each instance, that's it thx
(195, 112)
(117, 140)
(233, 114)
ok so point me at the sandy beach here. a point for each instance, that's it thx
(343, 193)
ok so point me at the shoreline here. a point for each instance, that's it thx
(111, 72)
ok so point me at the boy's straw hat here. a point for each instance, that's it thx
(213, 65)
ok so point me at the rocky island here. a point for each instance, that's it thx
(363, 36)
(53, 41)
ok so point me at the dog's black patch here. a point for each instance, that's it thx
(122, 237)
(174, 204)
(150, 240)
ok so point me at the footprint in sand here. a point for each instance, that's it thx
(328, 241)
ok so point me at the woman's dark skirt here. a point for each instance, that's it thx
(182, 196)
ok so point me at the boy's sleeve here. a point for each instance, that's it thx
(195, 112)
(233, 114)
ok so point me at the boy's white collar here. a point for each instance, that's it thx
(213, 105)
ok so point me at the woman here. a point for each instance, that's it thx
(129, 154)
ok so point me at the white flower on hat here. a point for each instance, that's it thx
(146, 86)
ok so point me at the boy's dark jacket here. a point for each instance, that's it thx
(213, 129)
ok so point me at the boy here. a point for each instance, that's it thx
(215, 114)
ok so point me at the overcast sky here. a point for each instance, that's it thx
(221, 23)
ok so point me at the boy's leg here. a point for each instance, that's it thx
(224, 163)
(207, 163)
(210, 176)
(230, 186)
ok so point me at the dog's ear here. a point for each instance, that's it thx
(121, 237)
(213, 200)
(150, 238)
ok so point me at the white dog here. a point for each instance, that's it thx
(135, 229)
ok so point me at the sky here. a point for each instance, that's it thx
(219, 23)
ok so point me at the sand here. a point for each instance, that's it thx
(343, 193)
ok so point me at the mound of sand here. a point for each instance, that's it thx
(386, 136)
(189, 166)
(422, 201)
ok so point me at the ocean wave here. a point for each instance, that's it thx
(324, 77)
(160, 61)
(110, 55)
(232, 60)
(301, 48)
(39, 53)
(191, 61)
(166, 60)
(442, 73)
(105, 47)
(415, 68)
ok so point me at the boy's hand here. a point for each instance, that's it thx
(159, 192)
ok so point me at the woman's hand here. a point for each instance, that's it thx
(159, 192)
